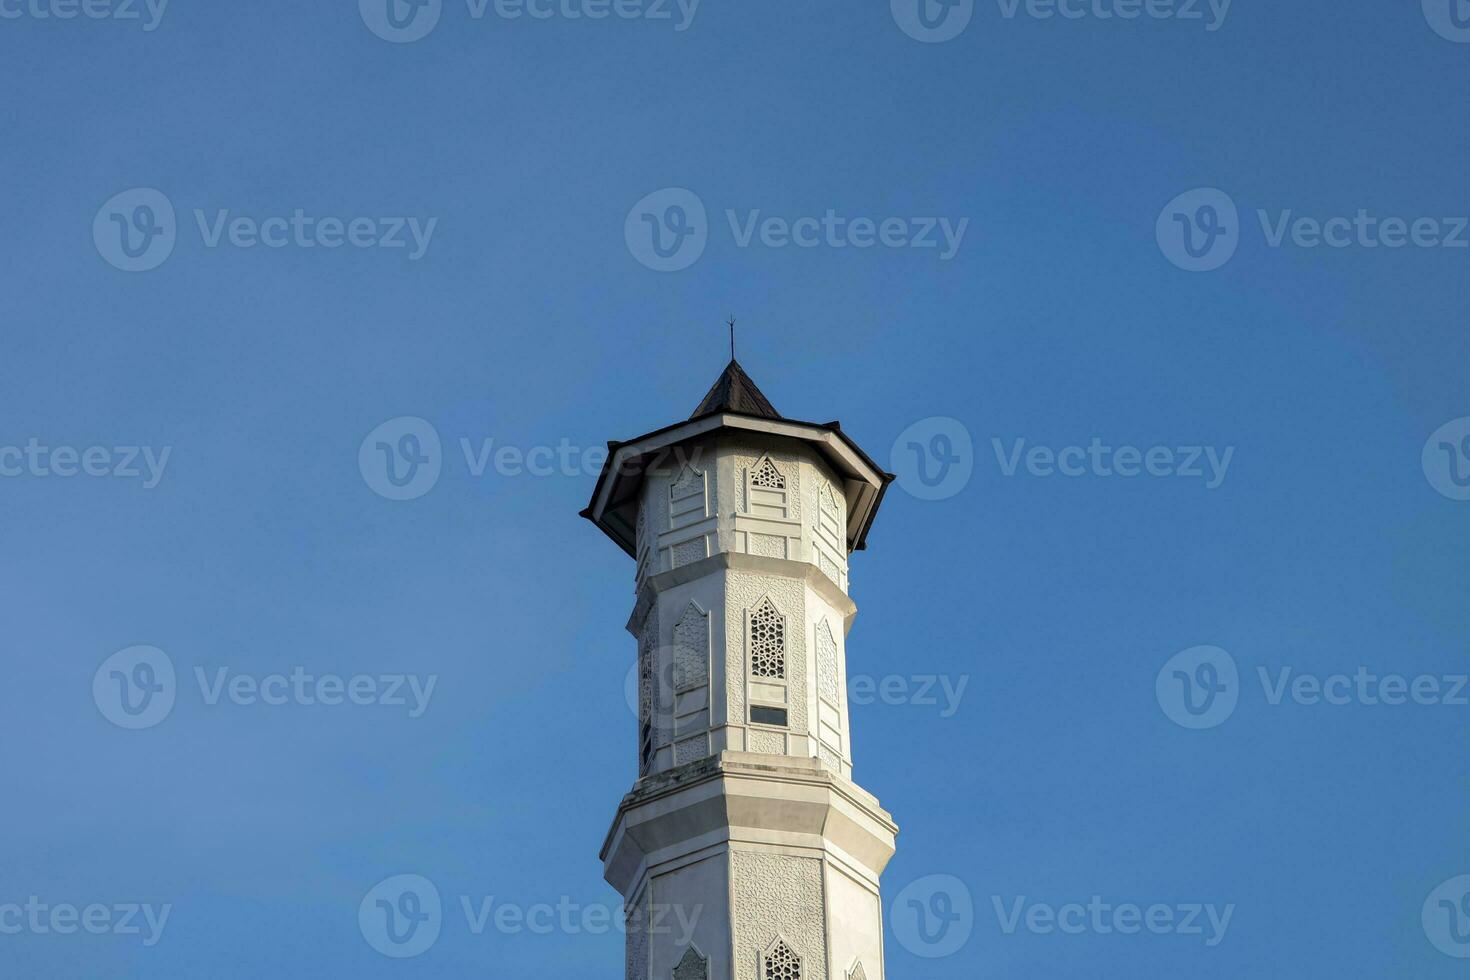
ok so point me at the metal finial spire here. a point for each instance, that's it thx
(732, 337)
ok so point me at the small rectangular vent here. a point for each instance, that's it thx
(762, 715)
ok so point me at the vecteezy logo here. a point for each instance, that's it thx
(400, 21)
(401, 459)
(934, 916)
(1449, 18)
(135, 688)
(932, 21)
(136, 230)
(1446, 917)
(632, 688)
(933, 458)
(1199, 687)
(652, 678)
(401, 916)
(667, 230)
(1446, 459)
(1199, 230)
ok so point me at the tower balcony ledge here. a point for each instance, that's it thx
(746, 798)
(801, 571)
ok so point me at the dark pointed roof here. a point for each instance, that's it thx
(733, 391)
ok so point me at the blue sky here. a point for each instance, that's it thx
(1069, 148)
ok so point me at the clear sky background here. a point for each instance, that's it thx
(529, 320)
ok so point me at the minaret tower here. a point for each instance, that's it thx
(744, 851)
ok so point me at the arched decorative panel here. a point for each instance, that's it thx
(691, 649)
(828, 685)
(690, 678)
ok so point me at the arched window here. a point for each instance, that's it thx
(645, 704)
(767, 641)
(767, 477)
(692, 966)
(781, 963)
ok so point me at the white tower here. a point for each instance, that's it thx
(744, 851)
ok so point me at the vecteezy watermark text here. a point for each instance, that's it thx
(122, 462)
(936, 21)
(1363, 686)
(1200, 688)
(402, 916)
(149, 13)
(95, 918)
(406, 21)
(939, 691)
(1210, 13)
(834, 230)
(919, 690)
(1101, 918)
(137, 230)
(569, 917)
(1206, 463)
(1363, 230)
(403, 458)
(1201, 229)
(307, 231)
(668, 230)
(935, 457)
(137, 687)
(306, 689)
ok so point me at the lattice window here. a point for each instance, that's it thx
(645, 681)
(645, 707)
(858, 973)
(767, 641)
(782, 964)
(648, 691)
(827, 684)
(692, 966)
(767, 476)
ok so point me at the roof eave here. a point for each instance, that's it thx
(621, 453)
